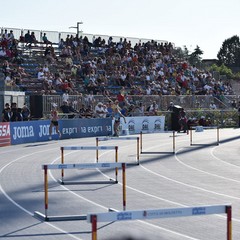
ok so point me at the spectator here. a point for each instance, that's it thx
(6, 113)
(19, 114)
(153, 108)
(89, 112)
(65, 107)
(45, 39)
(28, 38)
(109, 109)
(14, 112)
(212, 106)
(33, 38)
(170, 107)
(202, 121)
(9, 81)
(25, 113)
(183, 121)
(99, 110)
(82, 111)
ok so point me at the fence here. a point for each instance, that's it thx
(55, 36)
(195, 106)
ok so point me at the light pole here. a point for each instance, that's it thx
(77, 27)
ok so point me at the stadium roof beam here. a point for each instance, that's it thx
(77, 27)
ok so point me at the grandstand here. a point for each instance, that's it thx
(142, 70)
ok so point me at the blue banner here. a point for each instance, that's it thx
(85, 127)
(38, 131)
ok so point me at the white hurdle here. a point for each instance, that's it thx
(89, 148)
(98, 139)
(212, 127)
(173, 144)
(161, 213)
(45, 216)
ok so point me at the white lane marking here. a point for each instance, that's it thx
(202, 171)
(230, 164)
(188, 185)
(136, 190)
(139, 220)
(24, 209)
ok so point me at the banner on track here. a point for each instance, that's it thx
(38, 131)
(5, 137)
(148, 124)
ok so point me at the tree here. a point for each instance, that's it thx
(229, 53)
(223, 70)
(195, 56)
(181, 53)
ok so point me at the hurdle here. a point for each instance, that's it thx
(161, 213)
(46, 217)
(213, 127)
(98, 139)
(173, 144)
(88, 148)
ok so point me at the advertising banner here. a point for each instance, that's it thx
(147, 124)
(5, 137)
(79, 128)
(38, 131)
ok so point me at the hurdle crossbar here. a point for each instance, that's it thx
(45, 216)
(161, 213)
(204, 127)
(89, 148)
(98, 139)
(173, 143)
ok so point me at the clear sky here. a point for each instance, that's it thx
(206, 23)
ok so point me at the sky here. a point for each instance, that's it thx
(206, 23)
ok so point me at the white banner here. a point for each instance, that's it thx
(147, 124)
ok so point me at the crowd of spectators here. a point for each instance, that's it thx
(81, 66)
(12, 113)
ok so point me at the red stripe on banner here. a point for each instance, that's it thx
(5, 137)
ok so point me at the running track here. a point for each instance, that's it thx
(202, 174)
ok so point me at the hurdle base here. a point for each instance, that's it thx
(133, 164)
(157, 152)
(199, 144)
(43, 217)
(110, 181)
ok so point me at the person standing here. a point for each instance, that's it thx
(54, 122)
(116, 117)
(6, 113)
(183, 121)
(26, 114)
(14, 112)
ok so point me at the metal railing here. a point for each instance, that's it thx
(55, 36)
(195, 107)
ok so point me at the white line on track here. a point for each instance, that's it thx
(134, 189)
(24, 209)
(176, 233)
(230, 164)
(205, 172)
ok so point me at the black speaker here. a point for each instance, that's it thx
(36, 106)
(175, 118)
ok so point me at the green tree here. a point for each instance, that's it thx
(229, 53)
(223, 70)
(195, 56)
(181, 53)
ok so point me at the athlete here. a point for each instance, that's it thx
(116, 117)
(54, 122)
